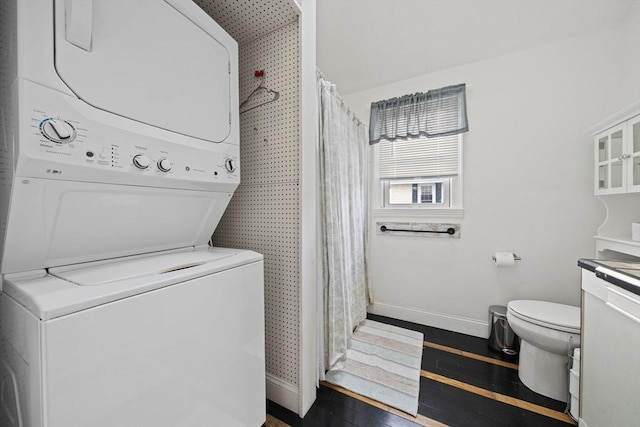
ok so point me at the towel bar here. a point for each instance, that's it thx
(449, 230)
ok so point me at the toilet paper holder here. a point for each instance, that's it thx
(515, 257)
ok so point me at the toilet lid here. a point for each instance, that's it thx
(549, 314)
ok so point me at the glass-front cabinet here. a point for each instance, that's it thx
(634, 160)
(617, 158)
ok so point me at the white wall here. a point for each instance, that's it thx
(308, 209)
(527, 181)
(631, 62)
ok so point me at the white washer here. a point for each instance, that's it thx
(164, 340)
(119, 155)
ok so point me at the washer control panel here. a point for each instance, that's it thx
(62, 146)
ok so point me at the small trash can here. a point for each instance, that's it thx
(502, 339)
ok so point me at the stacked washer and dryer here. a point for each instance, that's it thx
(119, 156)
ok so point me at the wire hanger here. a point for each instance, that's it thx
(276, 95)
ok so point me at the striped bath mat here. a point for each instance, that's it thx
(383, 363)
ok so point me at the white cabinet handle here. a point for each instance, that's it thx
(79, 22)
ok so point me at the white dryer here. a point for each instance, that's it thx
(119, 155)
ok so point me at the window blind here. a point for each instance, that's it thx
(419, 157)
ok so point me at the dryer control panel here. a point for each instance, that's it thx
(72, 141)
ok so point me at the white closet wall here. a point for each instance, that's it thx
(265, 212)
(8, 74)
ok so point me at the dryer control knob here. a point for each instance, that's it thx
(141, 162)
(230, 165)
(57, 130)
(164, 165)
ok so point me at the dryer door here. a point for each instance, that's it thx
(164, 63)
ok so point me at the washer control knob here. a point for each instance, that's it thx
(141, 161)
(230, 165)
(164, 165)
(57, 130)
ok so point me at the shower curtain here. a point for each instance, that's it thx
(343, 217)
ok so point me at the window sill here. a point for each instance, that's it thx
(418, 212)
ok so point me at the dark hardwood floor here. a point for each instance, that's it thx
(463, 383)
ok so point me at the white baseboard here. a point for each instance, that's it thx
(438, 320)
(283, 393)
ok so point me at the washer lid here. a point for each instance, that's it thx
(549, 314)
(48, 295)
(150, 266)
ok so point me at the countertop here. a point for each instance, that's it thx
(620, 273)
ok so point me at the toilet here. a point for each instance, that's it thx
(547, 330)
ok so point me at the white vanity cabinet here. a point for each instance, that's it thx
(610, 354)
(617, 157)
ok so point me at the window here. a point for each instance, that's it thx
(419, 191)
(419, 139)
(420, 172)
(430, 192)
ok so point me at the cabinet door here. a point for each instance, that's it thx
(609, 378)
(610, 166)
(633, 151)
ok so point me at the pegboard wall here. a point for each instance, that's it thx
(264, 214)
(247, 20)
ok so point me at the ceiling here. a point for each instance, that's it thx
(366, 43)
(247, 20)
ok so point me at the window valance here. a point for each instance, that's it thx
(438, 112)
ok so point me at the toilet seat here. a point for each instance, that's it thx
(550, 315)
